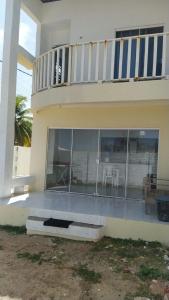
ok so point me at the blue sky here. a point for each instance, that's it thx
(27, 39)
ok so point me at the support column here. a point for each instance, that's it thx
(8, 94)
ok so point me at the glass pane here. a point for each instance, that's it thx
(141, 57)
(151, 30)
(142, 160)
(124, 59)
(159, 56)
(116, 60)
(84, 156)
(133, 58)
(127, 33)
(59, 159)
(125, 54)
(112, 163)
(150, 56)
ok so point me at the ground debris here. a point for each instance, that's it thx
(141, 298)
(56, 268)
(159, 288)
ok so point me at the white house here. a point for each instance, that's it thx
(100, 101)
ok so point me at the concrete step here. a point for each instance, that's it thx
(66, 215)
(76, 230)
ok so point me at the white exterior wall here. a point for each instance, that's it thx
(21, 161)
(54, 33)
(72, 21)
(98, 20)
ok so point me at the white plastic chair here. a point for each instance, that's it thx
(110, 173)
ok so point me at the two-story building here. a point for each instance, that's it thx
(100, 106)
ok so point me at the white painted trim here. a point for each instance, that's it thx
(138, 27)
(108, 128)
(38, 39)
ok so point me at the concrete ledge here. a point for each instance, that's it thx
(22, 180)
(74, 231)
(19, 183)
(66, 215)
(113, 227)
(14, 216)
(126, 229)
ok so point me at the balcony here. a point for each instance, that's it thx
(131, 59)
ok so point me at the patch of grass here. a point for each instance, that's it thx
(127, 252)
(147, 272)
(15, 230)
(41, 258)
(86, 274)
(154, 244)
(1, 248)
(110, 243)
(128, 242)
(34, 258)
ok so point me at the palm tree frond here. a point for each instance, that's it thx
(23, 122)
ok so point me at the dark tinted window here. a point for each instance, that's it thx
(141, 31)
(136, 32)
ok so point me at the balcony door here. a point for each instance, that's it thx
(133, 33)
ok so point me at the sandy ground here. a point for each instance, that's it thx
(42, 268)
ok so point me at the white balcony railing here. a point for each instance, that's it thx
(123, 59)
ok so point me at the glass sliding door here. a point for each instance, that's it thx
(112, 163)
(84, 156)
(59, 159)
(142, 161)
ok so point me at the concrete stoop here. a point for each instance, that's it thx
(76, 230)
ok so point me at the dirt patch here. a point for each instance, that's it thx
(42, 268)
